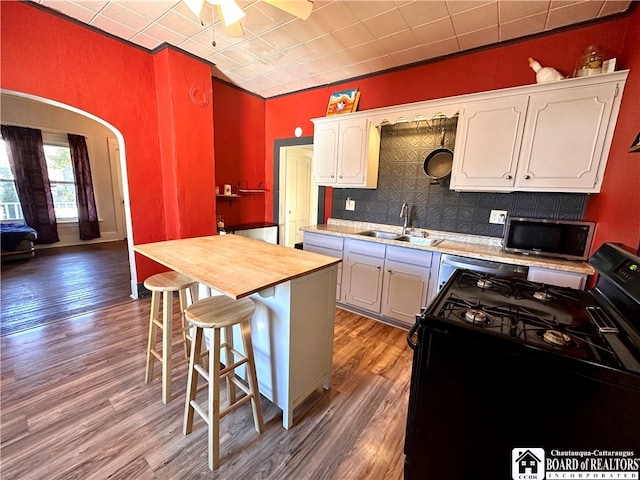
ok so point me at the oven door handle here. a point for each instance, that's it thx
(412, 333)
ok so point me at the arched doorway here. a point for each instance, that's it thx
(117, 154)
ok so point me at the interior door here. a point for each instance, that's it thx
(297, 200)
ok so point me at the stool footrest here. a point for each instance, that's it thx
(236, 381)
(235, 405)
(202, 371)
(230, 368)
(200, 411)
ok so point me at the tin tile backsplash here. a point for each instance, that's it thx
(401, 178)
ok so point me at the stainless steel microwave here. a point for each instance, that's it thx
(552, 238)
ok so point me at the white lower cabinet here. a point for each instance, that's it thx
(557, 278)
(385, 279)
(405, 285)
(362, 274)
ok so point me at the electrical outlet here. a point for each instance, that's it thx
(350, 205)
(498, 216)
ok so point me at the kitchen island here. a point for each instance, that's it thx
(294, 293)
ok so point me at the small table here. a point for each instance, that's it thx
(294, 292)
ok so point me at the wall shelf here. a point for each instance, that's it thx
(250, 190)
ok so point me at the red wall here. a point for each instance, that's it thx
(617, 208)
(501, 67)
(239, 151)
(145, 97)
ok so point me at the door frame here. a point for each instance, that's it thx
(277, 145)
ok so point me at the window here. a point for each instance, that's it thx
(61, 179)
(9, 204)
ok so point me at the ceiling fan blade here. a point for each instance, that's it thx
(300, 8)
(195, 6)
(229, 11)
(232, 30)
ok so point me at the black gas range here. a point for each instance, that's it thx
(501, 363)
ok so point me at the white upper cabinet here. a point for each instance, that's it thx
(346, 152)
(551, 137)
(488, 144)
(563, 144)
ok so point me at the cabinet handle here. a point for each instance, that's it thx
(378, 267)
(332, 176)
(508, 177)
(389, 270)
(527, 177)
(341, 176)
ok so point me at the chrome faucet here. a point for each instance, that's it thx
(404, 213)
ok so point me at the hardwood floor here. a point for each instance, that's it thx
(60, 282)
(75, 406)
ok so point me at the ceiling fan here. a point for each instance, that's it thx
(231, 13)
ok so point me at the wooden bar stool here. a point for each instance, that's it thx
(221, 313)
(165, 284)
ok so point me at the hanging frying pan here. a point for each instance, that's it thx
(438, 163)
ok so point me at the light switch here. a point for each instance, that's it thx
(351, 205)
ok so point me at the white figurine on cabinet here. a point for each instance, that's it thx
(544, 74)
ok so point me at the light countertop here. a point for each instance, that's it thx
(234, 265)
(472, 246)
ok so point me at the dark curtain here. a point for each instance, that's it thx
(29, 166)
(87, 212)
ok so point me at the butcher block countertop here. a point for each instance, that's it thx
(235, 266)
(472, 246)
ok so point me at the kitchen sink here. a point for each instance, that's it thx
(378, 234)
(419, 240)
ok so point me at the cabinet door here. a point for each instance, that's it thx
(404, 290)
(352, 143)
(362, 281)
(563, 144)
(488, 143)
(325, 153)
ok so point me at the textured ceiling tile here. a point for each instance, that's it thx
(280, 39)
(164, 34)
(146, 41)
(367, 9)
(559, 17)
(114, 28)
(399, 41)
(457, 6)
(411, 55)
(421, 12)
(523, 26)
(367, 51)
(387, 24)
(73, 10)
(434, 31)
(355, 34)
(614, 6)
(123, 16)
(479, 38)
(334, 16)
(510, 10)
(476, 19)
(441, 48)
(179, 24)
